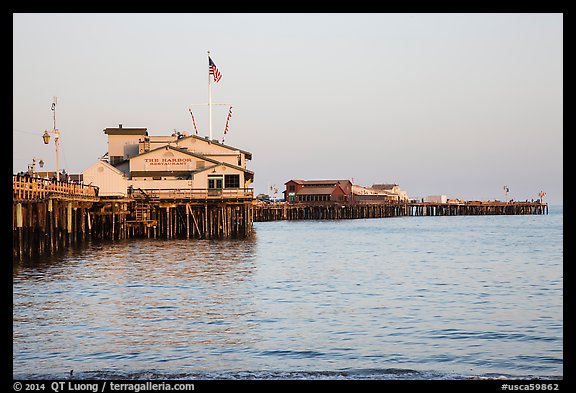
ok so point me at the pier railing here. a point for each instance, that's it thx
(194, 194)
(28, 188)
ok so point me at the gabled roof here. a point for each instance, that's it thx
(318, 182)
(200, 156)
(215, 142)
(319, 190)
(295, 181)
(106, 165)
(384, 186)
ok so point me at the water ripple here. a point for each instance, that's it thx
(406, 298)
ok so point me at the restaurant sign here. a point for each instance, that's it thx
(167, 161)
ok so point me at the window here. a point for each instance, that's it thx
(232, 181)
(215, 181)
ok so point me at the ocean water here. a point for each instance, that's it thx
(461, 297)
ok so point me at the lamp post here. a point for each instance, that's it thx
(32, 167)
(46, 138)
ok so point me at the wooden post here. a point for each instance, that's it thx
(57, 224)
(89, 224)
(29, 238)
(175, 222)
(167, 222)
(19, 228)
(244, 220)
(196, 224)
(218, 215)
(113, 219)
(187, 221)
(74, 224)
(228, 221)
(121, 222)
(210, 223)
(83, 223)
(124, 225)
(50, 223)
(69, 221)
(205, 234)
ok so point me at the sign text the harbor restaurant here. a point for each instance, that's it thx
(169, 161)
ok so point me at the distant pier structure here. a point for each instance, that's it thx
(344, 210)
(340, 199)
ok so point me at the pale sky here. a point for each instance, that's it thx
(453, 104)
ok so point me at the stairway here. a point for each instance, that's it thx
(141, 211)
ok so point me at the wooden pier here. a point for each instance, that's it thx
(174, 218)
(49, 216)
(335, 211)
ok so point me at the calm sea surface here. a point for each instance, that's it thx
(388, 298)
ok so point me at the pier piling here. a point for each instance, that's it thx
(51, 216)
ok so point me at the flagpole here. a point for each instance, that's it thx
(209, 97)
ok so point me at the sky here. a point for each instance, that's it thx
(453, 104)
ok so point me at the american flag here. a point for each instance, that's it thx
(214, 70)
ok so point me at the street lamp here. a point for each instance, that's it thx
(46, 138)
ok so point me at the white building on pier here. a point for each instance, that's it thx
(156, 164)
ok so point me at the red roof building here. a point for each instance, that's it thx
(321, 191)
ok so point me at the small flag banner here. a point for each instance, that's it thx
(213, 70)
(193, 121)
(227, 120)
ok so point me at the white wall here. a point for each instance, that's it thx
(436, 198)
(109, 181)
